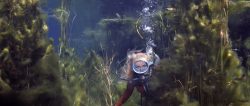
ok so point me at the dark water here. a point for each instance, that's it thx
(85, 16)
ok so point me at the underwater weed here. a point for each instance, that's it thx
(28, 64)
(202, 68)
(107, 80)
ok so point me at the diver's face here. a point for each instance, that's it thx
(140, 65)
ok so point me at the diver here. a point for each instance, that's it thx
(137, 71)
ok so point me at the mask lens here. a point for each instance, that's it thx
(140, 67)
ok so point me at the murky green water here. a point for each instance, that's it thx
(130, 52)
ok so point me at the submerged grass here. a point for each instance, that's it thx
(201, 70)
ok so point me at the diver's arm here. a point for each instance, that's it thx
(156, 60)
(129, 67)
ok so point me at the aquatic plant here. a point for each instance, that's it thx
(202, 68)
(71, 68)
(62, 14)
(107, 80)
(97, 81)
(70, 65)
(165, 30)
(88, 80)
(28, 65)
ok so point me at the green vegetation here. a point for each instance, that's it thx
(28, 65)
(202, 70)
(198, 67)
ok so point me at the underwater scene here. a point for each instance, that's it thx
(124, 52)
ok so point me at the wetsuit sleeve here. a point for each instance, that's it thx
(157, 60)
